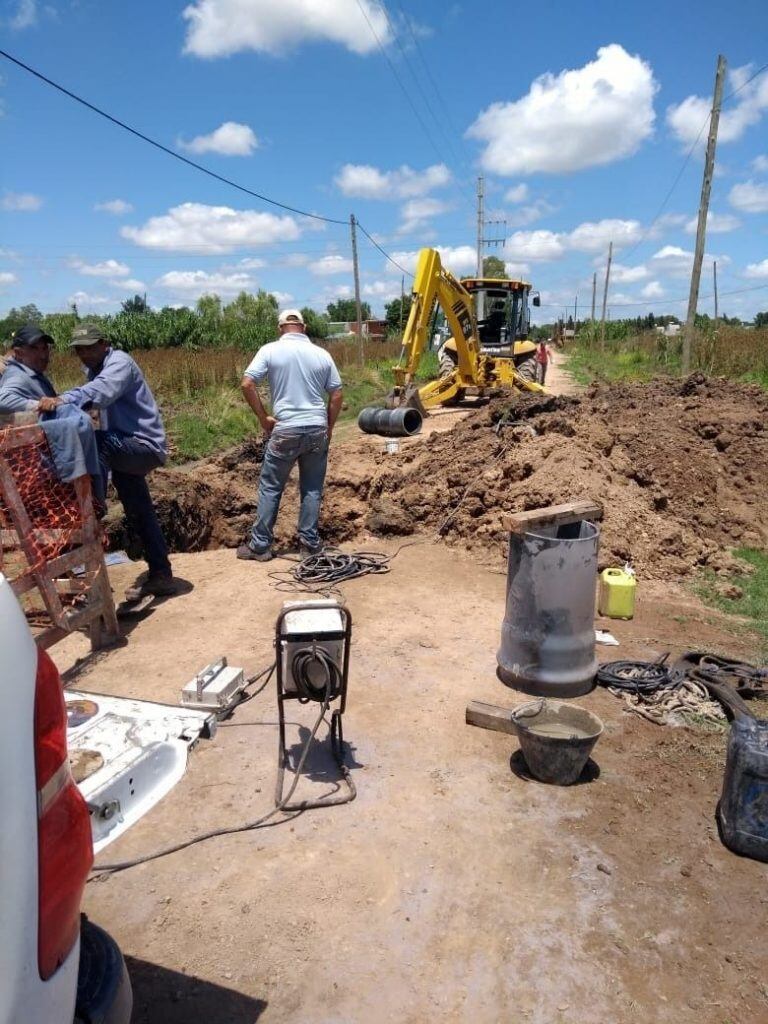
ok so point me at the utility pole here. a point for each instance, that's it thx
(701, 231)
(480, 226)
(356, 269)
(605, 293)
(594, 293)
(714, 269)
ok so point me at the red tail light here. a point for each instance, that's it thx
(64, 844)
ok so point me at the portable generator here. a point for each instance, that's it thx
(312, 643)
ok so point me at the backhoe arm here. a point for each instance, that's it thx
(434, 285)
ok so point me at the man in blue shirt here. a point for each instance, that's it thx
(131, 442)
(24, 382)
(300, 375)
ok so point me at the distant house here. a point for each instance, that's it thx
(373, 329)
(670, 330)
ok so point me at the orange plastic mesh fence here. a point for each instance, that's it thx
(51, 505)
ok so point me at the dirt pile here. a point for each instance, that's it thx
(680, 468)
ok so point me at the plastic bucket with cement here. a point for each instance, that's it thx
(556, 739)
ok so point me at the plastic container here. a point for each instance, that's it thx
(617, 594)
(548, 634)
(743, 808)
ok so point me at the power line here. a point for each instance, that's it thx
(383, 252)
(646, 302)
(166, 149)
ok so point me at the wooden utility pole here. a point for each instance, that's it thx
(356, 269)
(594, 294)
(605, 293)
(714, 270)
(480, 226)
(701, 231)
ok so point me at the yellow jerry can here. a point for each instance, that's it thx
(617, 593)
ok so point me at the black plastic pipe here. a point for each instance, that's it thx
(403, 422)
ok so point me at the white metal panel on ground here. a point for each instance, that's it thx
(127, 755)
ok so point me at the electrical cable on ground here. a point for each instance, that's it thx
(165, 149)
(101, 870)
(321, 573)
(638, 677)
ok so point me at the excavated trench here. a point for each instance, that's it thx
(681, 469)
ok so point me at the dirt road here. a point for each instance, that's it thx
(452, 889)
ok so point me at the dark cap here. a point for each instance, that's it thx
(28, 335)
(86, 334)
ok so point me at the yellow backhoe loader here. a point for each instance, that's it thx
(487, 320)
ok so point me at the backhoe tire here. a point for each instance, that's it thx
(448, 363)
(528, 369)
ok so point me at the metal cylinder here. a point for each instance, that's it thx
(402, 422)
(548, 634)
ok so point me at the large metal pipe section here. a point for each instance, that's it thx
(402, 422)
(548, 635)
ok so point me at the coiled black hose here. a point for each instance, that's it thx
(643, 677)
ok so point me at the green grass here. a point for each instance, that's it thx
(753, 605)
(587, 364)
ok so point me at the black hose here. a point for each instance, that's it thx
(308, 689)
(641, 677)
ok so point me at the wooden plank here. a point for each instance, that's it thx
(490, 716)
(552, 515)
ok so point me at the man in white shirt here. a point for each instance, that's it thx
(300, 375)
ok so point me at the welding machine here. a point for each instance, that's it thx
(312, 642)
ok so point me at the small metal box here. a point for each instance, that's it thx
(320, 626)
(216, 688)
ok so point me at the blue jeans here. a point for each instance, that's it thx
(309, 447)
(130, 461)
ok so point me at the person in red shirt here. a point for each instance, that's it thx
(543, 358)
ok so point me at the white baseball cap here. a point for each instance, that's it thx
(286, 315)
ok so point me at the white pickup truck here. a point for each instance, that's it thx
(55, 966)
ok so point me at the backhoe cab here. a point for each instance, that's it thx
(480, 355)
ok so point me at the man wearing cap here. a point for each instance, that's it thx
(24, 382)
(131, 442)
(300, 375)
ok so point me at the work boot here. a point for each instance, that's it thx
(246, 552)
(307, 552)
(157, 584)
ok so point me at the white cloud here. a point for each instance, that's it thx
(331, 264)
(194, 283)
(366, 182)
(108, 268)
(518, 271)
(416, 212)
(460, 259)
(25, 16)
(535, 245)
(686, 118)
(294, 259)
(752, 270)
(21, 202)
(229, 139)
(628, 275)
(652, 290)
(116, 206)
(217, 229)
(749, 197)
(218, 28)
(526, 215)
(579, 118)
(760, 164)
(129, 284)
(717, 223)
(677, 262)
(595, 236)
(83, 299)
(283, 298)
(517, 194)
(251, 263)
(381, 290)
(6, 278)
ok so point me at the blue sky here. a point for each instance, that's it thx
(579, 117)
